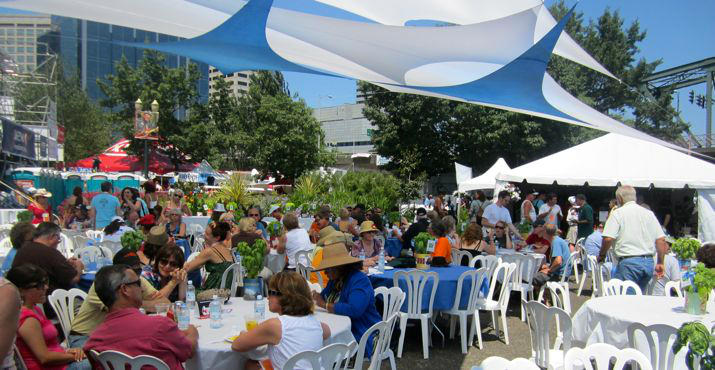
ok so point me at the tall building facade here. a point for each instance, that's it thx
(21, 38)
(238, 81)
(346, 128)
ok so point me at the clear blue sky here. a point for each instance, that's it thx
(678, 32)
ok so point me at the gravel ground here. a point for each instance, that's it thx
(451, 357)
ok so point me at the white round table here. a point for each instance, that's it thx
(214, 353)
(510, 256)
(606, 319)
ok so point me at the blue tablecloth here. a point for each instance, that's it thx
(85, 281)
(393, 247)
(446, 288)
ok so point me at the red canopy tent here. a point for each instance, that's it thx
(116, 159)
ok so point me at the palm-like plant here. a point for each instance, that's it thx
(235, 190)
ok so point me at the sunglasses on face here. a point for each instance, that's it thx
(499, 227)
(253, 215)
(137, 282)
(173, 264)
(274, 293)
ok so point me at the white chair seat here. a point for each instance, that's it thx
(556, 359)
(487, 304)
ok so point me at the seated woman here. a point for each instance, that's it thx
(498, 237)
(349, 292)
(450, 224)
(347, 224)
(472, 241)
(294, 240)
(295, 330)
(367, 244)
(37, 339)
(246, 232)
(442, 254)
(114, 231)
(156, 240)
(175, 227)
(217, 257)
(20, 234)
(168, 277)
(78, 218)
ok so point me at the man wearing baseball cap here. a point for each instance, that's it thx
(419, 226)
(93, 311)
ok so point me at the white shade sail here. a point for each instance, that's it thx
(487, 180)
(612, 159)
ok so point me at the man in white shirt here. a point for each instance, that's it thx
(636, 235)
(496, 212)
(551, 212)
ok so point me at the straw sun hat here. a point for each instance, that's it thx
(367, 226)
(42, 193)
(335, 255)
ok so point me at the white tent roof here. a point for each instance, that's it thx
(614, 158)
(486, 180)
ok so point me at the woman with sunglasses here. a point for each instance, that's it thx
(498, 237)
(216, 257)
(295, 330)
(176, 227)
(167, 275)
(37, 339)
(176, 201)
(368, 245)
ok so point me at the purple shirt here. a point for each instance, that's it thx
(133, 333)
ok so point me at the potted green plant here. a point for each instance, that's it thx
(698, 292)
(252, 263)
(685, 249)
(24, 216)
(421, 256)
(524, 228)
(701, 345)
(275, 229)
(132, 240)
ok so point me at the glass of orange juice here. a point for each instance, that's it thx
(251, 321)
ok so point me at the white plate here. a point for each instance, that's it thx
(389, 267)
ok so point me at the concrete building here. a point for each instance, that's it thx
(19, 36)
(345, 128)
(237, 81)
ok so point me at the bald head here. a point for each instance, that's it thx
(625, 194)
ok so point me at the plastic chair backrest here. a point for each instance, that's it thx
(113, 247)
(315, 287)
(620, 287)
(236, 279)
(506, 270)
(66, 246)
(5, 246)
(379, 333)
(303, 257)
(559, 294)
(303, 270)
(329, 357)
(203, 269)
(416, 281)
(90, 250)
(81, 241)
(602, 354)
(476, 278)
(539, 318)
(500, 363)
(659, 340)
(392, 300)
(673, 285)
(117, 360)
(459, 256)
(599, 275)
(523, 264)
(63, 302)
(568, 266)
(488, 261)
(95, 234)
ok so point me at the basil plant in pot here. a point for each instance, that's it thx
(421, 255)
(685, 249)
(700, 343)
(252, 262)
(699, 290)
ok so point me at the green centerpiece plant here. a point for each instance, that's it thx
(685, 248)
(702, 283)
(252, 257)
(700, 342)
(421, 241)
(132, 240)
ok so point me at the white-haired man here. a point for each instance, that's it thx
(636, 235)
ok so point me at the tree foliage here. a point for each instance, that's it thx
(423, 136)
(87, 128)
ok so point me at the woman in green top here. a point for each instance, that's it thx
(217, 257)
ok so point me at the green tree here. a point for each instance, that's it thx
(87, 129)
(175, 89)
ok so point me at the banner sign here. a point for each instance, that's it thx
(17, 140)
(145, 125)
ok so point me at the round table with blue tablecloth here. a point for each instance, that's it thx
(446, 287)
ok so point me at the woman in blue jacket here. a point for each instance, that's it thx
(349, 291)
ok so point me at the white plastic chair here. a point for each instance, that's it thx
(237, 279)
(315, 287)
(117, 360)
(303, 257)
(599, 275)
(559, 294)
(566, 270)
(81, 241)
(488, 261)
(66, 246)
(602, 354)
(658, 344)
(202, 270)
(489, 304)
(5, 246)
(539, 318)
(95, 234)
(500, 363)
(378, 332)
(415, 283)
(91, 251)
(620, 287)
(392, 299)
(330, 357)
(671, 286)
(303, 270)
(459, 256)
(475, 278)
(517, 283)
(113, 247)
(63, 302)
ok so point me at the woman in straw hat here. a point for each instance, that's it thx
(40, 208)
(367, 244)
(349, 291)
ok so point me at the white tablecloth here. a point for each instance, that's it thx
(9, 216)
(511, 257)
(214, 353)
(606, 319)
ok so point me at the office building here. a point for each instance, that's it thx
(19, 39)
(346, 128)
(238, 81)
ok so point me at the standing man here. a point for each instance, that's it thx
(636, 235)
(104, 207)
(496, 212)
(540, 197)
(419, 226)
(585, 217)
(551, 212)
(95, 164)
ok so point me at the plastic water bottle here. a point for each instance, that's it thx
(182, 317)
(191, 297)
(215, 312)
(259, 308)
(381, 261)
(362, 255)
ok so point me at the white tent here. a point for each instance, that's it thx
(612, 159)
(486, 180)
